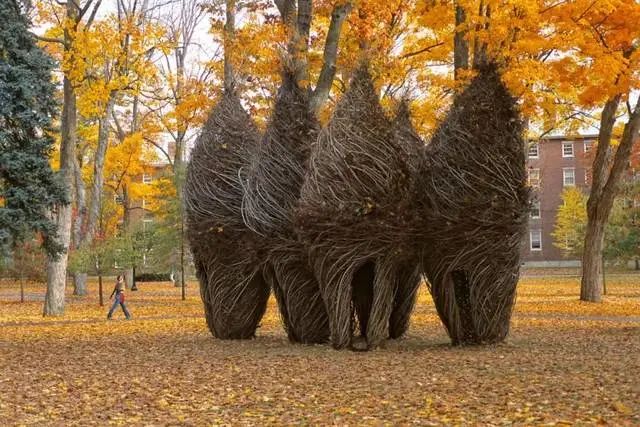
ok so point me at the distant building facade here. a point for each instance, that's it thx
(553, 164)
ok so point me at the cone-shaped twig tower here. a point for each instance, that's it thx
(474, 204)
(273, 189)
(225, 251)
(354, 215)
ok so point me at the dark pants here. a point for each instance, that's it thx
(115, 306)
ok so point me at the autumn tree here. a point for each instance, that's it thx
(29, 190)
(622, 232)
(606, 46)
(571, 221)
(71, 18)
(115, 60)
(97, 258)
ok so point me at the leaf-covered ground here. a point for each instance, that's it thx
(565, 362)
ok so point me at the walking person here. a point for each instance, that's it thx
(118, 291)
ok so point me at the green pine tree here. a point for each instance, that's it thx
(29, 189)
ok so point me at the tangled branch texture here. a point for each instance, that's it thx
(341, 222)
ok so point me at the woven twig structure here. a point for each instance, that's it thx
(412, 147)
(226, 252)
(272, 191)
(474, 205)
(354, 215)
(340, 222)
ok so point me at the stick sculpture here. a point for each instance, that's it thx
(341, 222)
(225, 250)
(272, 192)
(355, 217)
(475, 204)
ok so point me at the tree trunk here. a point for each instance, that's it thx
(303, 28)
(22, 277)
(606, 176)
(134, 287)
(57, 267)
(79, 279)
(98, 171)
(229, 34)
(328, 71)
(128, 278)
(183, 284)
(100, 289)
(460, 43)
(591, 287)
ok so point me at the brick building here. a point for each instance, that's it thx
(138, 212)
(554, 163)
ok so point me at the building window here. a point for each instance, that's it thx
(534, 177)
(567, 149)
(534, 150)
(146, 179)
(588, 145)
(568, 177)
(535, 209)
(586, 177)
(535, 240)
(146, 223)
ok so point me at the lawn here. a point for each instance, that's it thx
(565, 362)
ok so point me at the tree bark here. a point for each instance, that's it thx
(129, 273)
(134, 287)
(460, 43)
(607, 175)
(79, 279)
(591, 287)
(22, 277)
(300, 41)
(57, 267)
(98, 171)
(328, 71)
(229, 35)
(100, 289)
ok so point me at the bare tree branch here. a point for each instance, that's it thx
(49, 39)
(159, 147)
(418, 52)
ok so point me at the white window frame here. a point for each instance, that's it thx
(588, 144)
(567, 144)
(146, 221)
(146, 179)
(564, 177)
(539, 233)
(536, 206)
(537, 184)
(535, 146)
